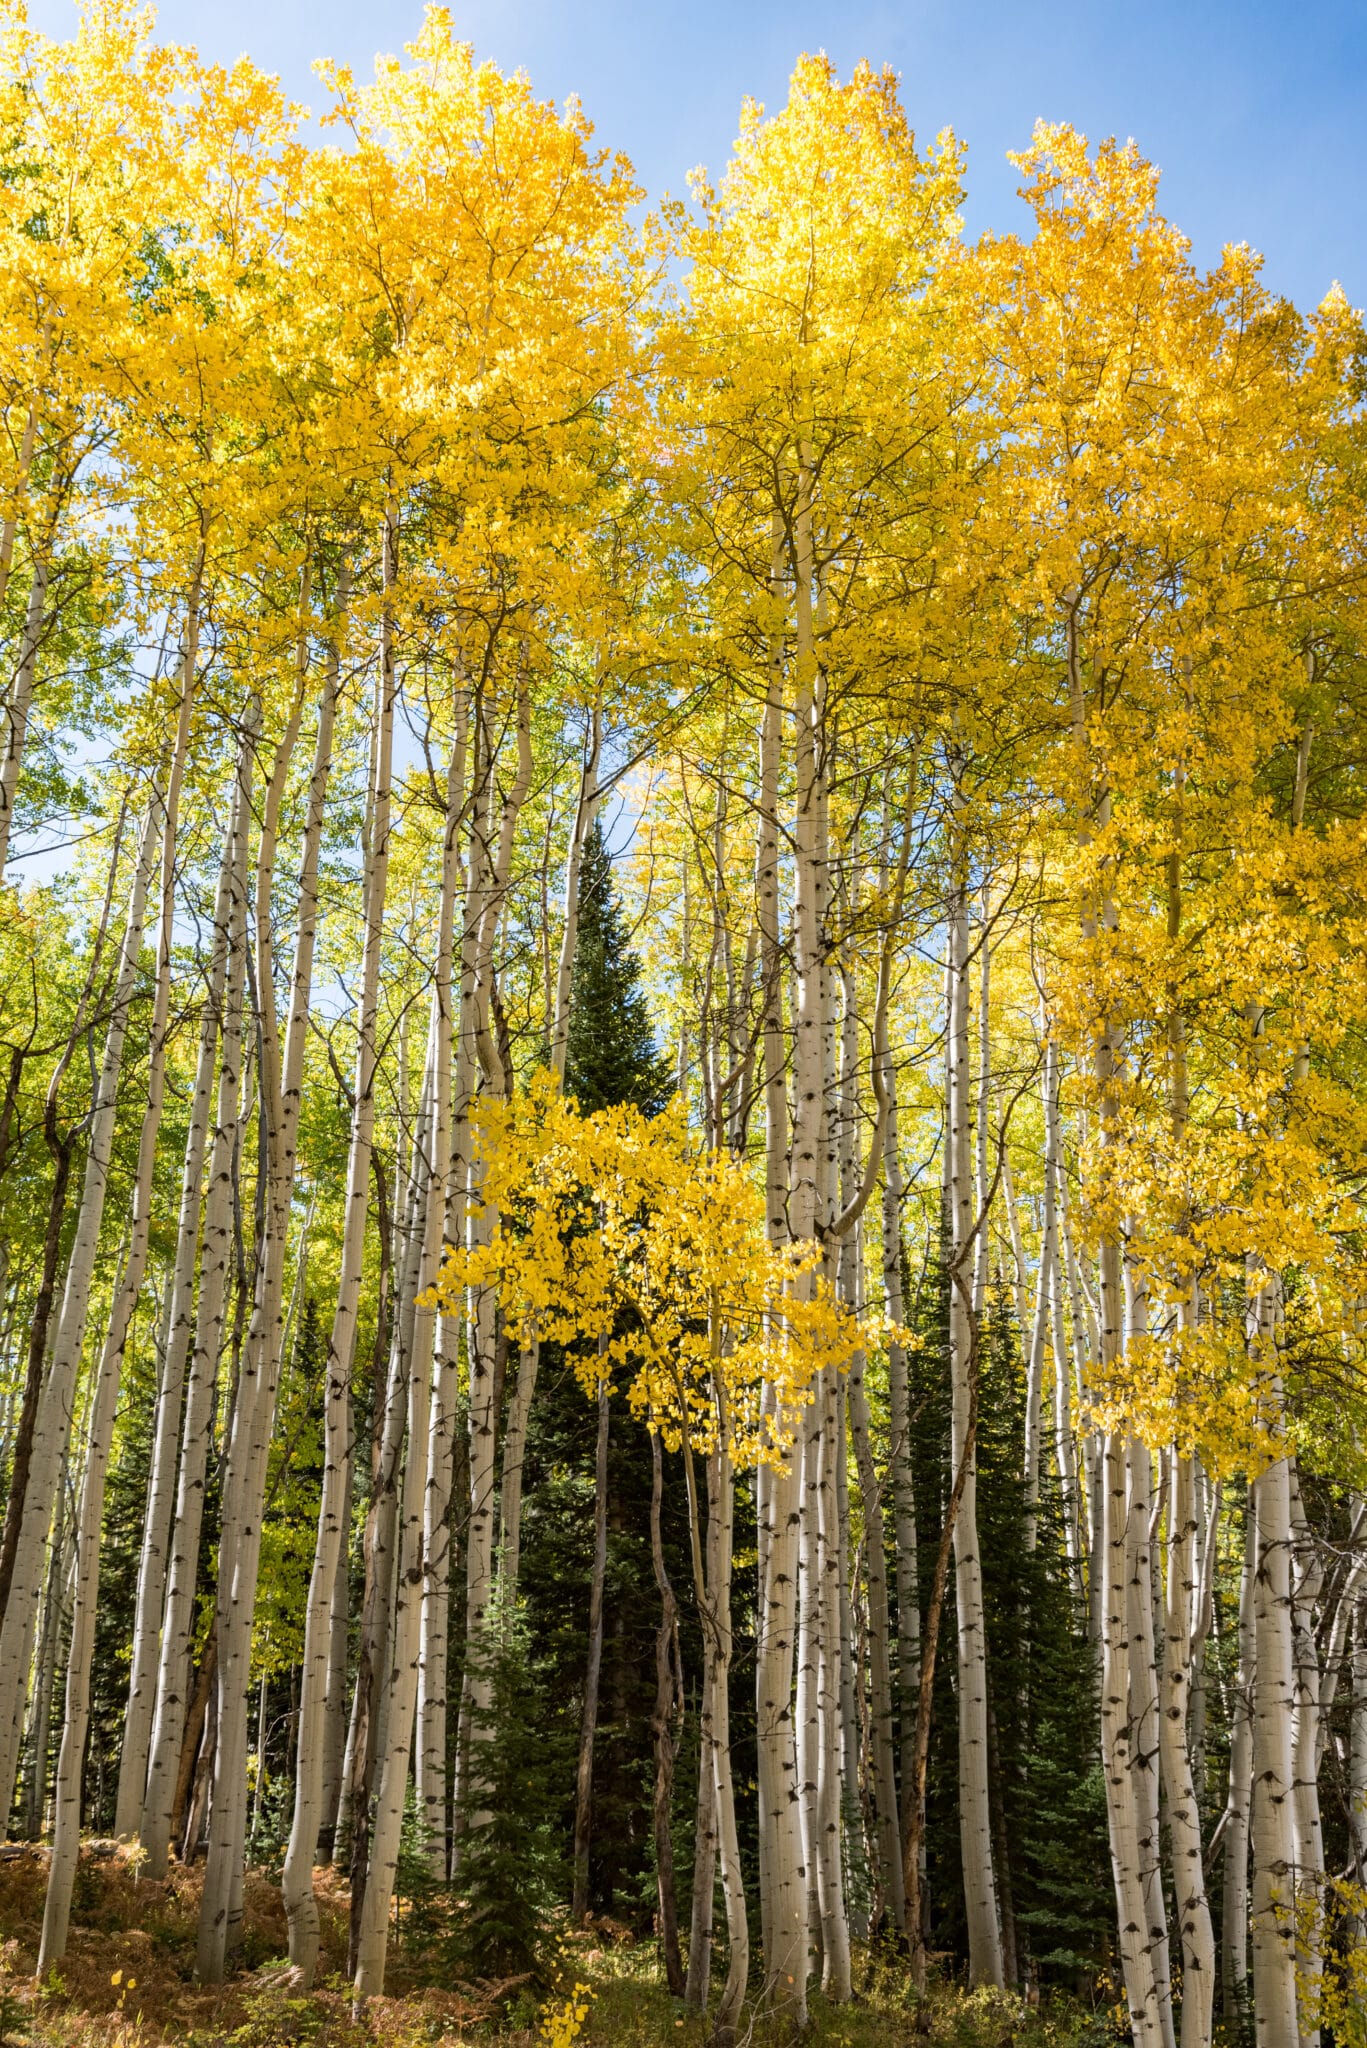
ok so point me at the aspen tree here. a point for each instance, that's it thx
(280, 1082)
(66, 1837)
(177, 1619)
(430, 1766)
(980, 1894)
(52, 1428)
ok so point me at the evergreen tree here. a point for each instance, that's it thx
(511, 1866)
(611, 1055)
(511, 1861)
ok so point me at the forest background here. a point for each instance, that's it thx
(682, 1133)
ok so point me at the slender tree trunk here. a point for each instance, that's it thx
(40, 1718)
(514, 1453)
(1307, 1584)
(401, 1693)
(19, 702)
(783, 1875)
(66, 1841)
(335, 1500)
(1181, 1620)
(1273, 1818)
(434, 1620)
(66, 1835)
(1040, 1328)
(335, 1698)
(905, 1534)
(490, 873)
(52, 1422)
(664, 1721)
(281, 1083)
(975, 1823)
(1234, 1914)
(161, 1490)
(720, 1514)
(1065, 1447)
(1357, 1753)
(1145, 1737)
(835, 1934)
(588, 1727)
(160, 1801)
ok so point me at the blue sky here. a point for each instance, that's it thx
(1257, 113)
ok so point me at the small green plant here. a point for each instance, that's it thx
(16, 2021)
(278, 2018)
(510, 1866)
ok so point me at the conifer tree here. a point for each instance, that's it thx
(612, 1055)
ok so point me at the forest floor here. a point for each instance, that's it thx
(126, 1983)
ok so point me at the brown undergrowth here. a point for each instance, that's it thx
(127, 1982)
(127, 1978)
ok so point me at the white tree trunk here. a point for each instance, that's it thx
(1234, 1911)
(435, 1615)
(52, 1427)
(905, 1536)
(721, 1509)
(334, 1505)
(491, 871)
(1357, 1753)
(1144, 1733)
(19, 702)
(985, 1964)
(215, 1260)
(783, 1875)
(1065, 1445)
(1273, 1824)
(281, 1084)
(405, 1635)
(66, 1840)
(1181, 1619)
(161, 1488)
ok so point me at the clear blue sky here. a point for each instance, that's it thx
(1257, 113)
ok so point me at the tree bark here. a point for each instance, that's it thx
(280, 1084)
(67, 1829)
(664, 1721)
(52, 1423)
(161, 1488)
(975, 1823)
(783, 1875)
(1273, 1826)
(162, 1800)
(1234, 1911)
(588, 1726)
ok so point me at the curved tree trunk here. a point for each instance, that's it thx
(281, 1083)
(159, 1807)
(782, 1875)
(52, 1424)
(66, 1835)
(975, 1826)
(1181, 1621)
(1273, 1827)
(161, 1488)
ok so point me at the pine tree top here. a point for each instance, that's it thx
(611, 1055)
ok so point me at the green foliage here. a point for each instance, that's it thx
(611, 1055)
(289, 1528)
(511, 1870)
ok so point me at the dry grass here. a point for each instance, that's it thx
(143, 1935)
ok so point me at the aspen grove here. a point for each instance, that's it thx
(683, 1126)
